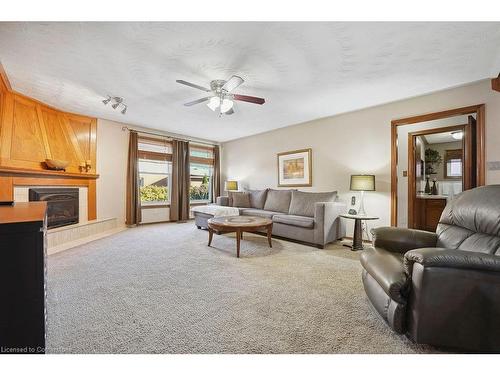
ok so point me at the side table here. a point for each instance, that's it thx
(357, 239)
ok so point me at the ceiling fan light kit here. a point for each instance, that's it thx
(222, 98)
(117, 102)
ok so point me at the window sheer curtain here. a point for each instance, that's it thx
(216, 175)
(133, 216)
(179, 200)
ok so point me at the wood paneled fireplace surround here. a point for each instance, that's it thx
(31, 132)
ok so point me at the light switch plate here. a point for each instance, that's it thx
(493, 165)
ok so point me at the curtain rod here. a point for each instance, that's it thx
(124, 128)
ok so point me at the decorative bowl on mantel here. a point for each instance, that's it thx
(56, 165)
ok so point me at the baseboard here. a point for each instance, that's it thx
(82, 241)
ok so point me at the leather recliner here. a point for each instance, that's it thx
(442, 288)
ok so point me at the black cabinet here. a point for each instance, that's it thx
(22, 278)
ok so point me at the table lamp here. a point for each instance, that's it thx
(362, 183)
(231, 185)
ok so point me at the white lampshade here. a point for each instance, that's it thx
(363, 182)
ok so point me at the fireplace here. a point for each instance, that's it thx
(62, 205)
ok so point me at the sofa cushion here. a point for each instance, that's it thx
(294, 220)
(302, 203)
(260, 213)
(257, 198)
(240, 199)
(278, 200)
(388, 270)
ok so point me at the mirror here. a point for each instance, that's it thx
(435, 157)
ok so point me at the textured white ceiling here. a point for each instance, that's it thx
(439, 138)
(303, 70)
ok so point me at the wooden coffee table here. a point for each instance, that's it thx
(239, 224)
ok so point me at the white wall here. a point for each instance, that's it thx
(356, 142)
(112, 155)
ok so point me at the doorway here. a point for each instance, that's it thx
(437, 171)
(459, 165)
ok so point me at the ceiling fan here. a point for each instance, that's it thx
(221, 97)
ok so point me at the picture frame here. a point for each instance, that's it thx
(295, 168)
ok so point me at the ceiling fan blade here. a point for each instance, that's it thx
(197, 101)
(230, 112)
(249, 99)
(182, 82)
(232, 83)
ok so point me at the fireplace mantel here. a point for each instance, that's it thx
(45, 173)
(31, 132)
(10, 179)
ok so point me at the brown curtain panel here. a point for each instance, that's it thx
(133, 194)
(179, 200)
(216, 176)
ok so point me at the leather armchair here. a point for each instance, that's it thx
(442, 288)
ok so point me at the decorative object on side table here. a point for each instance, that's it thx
(295, 168)
(357, 239)
(362, 183)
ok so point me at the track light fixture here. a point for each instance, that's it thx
(117, 102)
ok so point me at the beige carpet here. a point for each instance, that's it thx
(159, 289)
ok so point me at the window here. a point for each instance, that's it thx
(453, 164)
(201, 165)
(155, 168)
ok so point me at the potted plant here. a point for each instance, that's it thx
(432, 159)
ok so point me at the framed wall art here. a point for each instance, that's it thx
(295, 168)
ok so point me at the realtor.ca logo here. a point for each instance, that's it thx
(22, 350)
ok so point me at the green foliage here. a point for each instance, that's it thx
(152, 193)
(200, 192)
(433, 156)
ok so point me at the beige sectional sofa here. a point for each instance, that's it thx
(307, 217)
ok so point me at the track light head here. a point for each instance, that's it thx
(124, 110)
(115, 105)
(106, 101)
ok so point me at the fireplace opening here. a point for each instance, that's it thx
(62, 205)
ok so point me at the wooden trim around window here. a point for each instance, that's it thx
(478, 109)
(154, 141)
(200, 147)
(151, 155)
(196, 159)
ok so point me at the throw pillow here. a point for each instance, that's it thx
(257, 198)
(241, 200)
